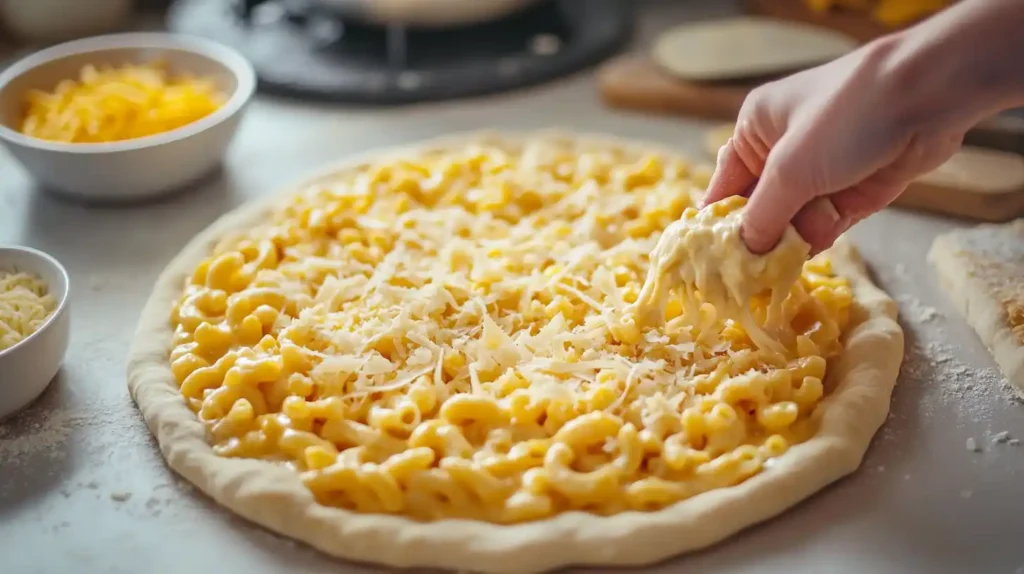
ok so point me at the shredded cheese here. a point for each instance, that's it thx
(112, 104)
(25, 305)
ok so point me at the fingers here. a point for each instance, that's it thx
(820, 223)
(862, 200)
(731, 177)
(824, 219)
(776, 199)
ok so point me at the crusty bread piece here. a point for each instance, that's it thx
(981, 269)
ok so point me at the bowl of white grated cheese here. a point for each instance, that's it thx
(34, 324)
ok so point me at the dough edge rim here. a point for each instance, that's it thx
(979, 308)
(274, 498)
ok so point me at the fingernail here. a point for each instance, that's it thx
(721, 151)
(829, 211)
(753, 240)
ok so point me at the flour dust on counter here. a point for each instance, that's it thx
(35, 432)
(938, 380)
(972, 391)
(917, 311)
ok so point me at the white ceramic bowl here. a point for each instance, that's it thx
(136, 169)
(27, 368)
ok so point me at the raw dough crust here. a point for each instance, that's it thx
(963, 261)
(860, 383)
(745, 47)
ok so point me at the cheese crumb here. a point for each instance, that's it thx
(1001, 437)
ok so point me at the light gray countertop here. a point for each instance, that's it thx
(921, 502)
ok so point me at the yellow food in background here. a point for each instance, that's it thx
(895, 13)
(113, 104)
(716, 137)
(24, 306)
(891, 13)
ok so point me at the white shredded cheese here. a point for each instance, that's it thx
(25, 305)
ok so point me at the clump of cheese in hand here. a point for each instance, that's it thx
(703, 252)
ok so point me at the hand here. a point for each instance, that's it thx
(825, 148)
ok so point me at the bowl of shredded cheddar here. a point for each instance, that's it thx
(34, 324)
(126, 116)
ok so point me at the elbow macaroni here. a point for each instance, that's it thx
(442, 336)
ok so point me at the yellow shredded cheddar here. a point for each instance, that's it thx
(108, 104)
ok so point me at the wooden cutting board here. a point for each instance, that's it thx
(634, 82)
(976, 183)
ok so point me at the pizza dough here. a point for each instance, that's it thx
(746, 47)
(982, 272)
(859, 385)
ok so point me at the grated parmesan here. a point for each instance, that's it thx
(25, 305)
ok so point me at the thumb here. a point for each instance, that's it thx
(732, 175)
(776, 199)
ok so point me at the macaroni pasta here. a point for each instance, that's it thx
(452, 334)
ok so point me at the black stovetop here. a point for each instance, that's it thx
(300, 51)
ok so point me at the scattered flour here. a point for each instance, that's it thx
(45, 431)
(932, 365)
(34, 433)
(918, 312)
(972, 390)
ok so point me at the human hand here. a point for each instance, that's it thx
(827, 147)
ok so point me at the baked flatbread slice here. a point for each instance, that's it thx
(982, 272)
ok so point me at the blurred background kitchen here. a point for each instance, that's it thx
(385, 52)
